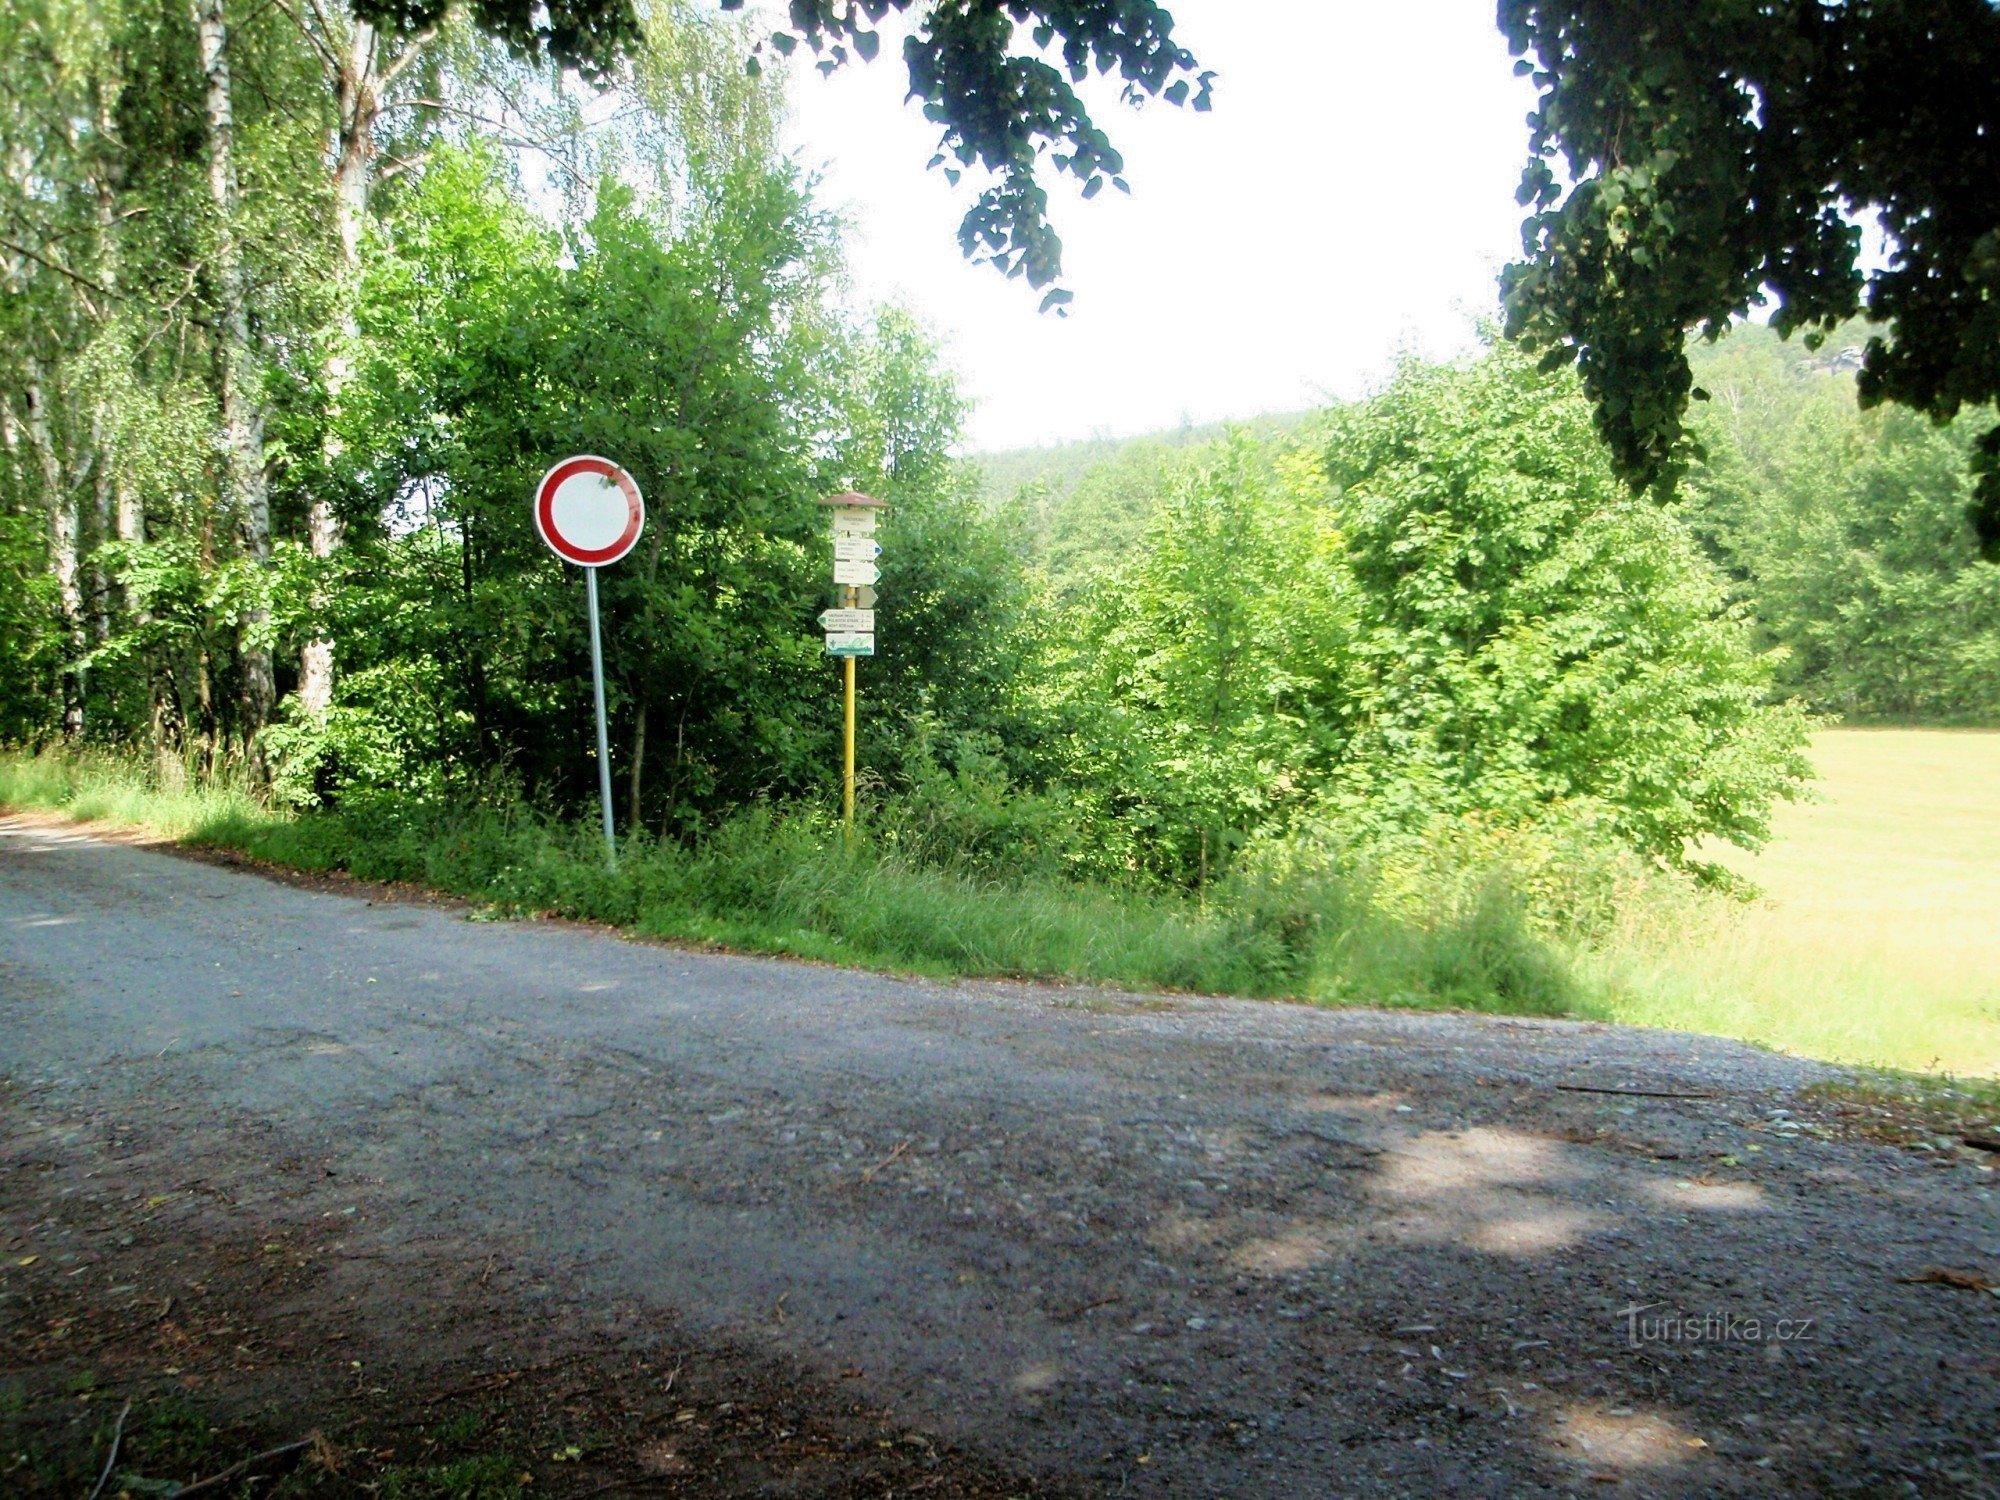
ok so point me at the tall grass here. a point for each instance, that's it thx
(1877, 939)
(169, 798)
(787, 882)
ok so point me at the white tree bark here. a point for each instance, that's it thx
(62, 545)
(245, 492)
(358, 88)
(363, 68)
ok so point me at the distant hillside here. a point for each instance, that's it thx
(1059, 466)
(1087, 502)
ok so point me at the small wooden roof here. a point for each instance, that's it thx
(855, 497)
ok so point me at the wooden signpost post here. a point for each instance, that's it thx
(850, 628)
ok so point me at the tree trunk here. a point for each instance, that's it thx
(104, 478)
(109, 490)
(245, 494)
(358, 90)
(363, 77)
(129, 521)
(638, 771)
(62, 548)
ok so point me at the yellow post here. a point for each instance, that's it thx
(847, 763)
(852, 518)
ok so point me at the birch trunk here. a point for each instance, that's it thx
(62, 547)
(359, 103)
(364, 76)
(245, 493)
(103, 488)
(117, 507)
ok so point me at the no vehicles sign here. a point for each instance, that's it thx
(588, 510)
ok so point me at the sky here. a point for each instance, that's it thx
(1350, 195)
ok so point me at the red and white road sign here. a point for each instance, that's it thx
(588, 510)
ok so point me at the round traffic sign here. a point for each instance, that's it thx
(588, 510)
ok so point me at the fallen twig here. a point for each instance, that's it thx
(901, 1147)
(1077, 1312)
(498, 1380)
(111, 1458)
(1595, 1088)
(238, 1470)
(1968, 1281)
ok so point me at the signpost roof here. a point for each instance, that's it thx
(855, 497)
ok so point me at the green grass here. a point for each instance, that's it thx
(1877, 940)
(789, 884)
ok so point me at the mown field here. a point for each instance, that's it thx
(1878, 936)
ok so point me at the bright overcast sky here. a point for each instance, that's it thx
(1351, 193)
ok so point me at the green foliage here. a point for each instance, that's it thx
(1847, 535)
(695, 356)
(591, 36)
(1439, 605)
(1531, 637)
(1204, 677)
(1685, 159)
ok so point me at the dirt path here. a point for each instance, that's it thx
(600, 1213)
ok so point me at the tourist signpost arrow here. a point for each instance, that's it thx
(856, 572)
(850, 629)
(588, 510)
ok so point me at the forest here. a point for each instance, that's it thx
(1411, 698)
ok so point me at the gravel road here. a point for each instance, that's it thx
(1132, 1245)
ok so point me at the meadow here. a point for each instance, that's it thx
(1877, 935)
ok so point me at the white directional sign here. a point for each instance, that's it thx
(850, 643)
(864, 598)
(855, 548)
(848, 619)
(856, 520)
(855, 572)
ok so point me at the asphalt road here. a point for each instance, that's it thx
(1150, 1246)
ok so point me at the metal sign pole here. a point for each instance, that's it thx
(603, 741)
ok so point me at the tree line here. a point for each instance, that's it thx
(302, 303)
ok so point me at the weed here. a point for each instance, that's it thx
(487, 1476)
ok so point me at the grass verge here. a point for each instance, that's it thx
(788, 883)
(1815, 969)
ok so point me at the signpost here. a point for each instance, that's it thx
(850, 629)
(588, 510)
